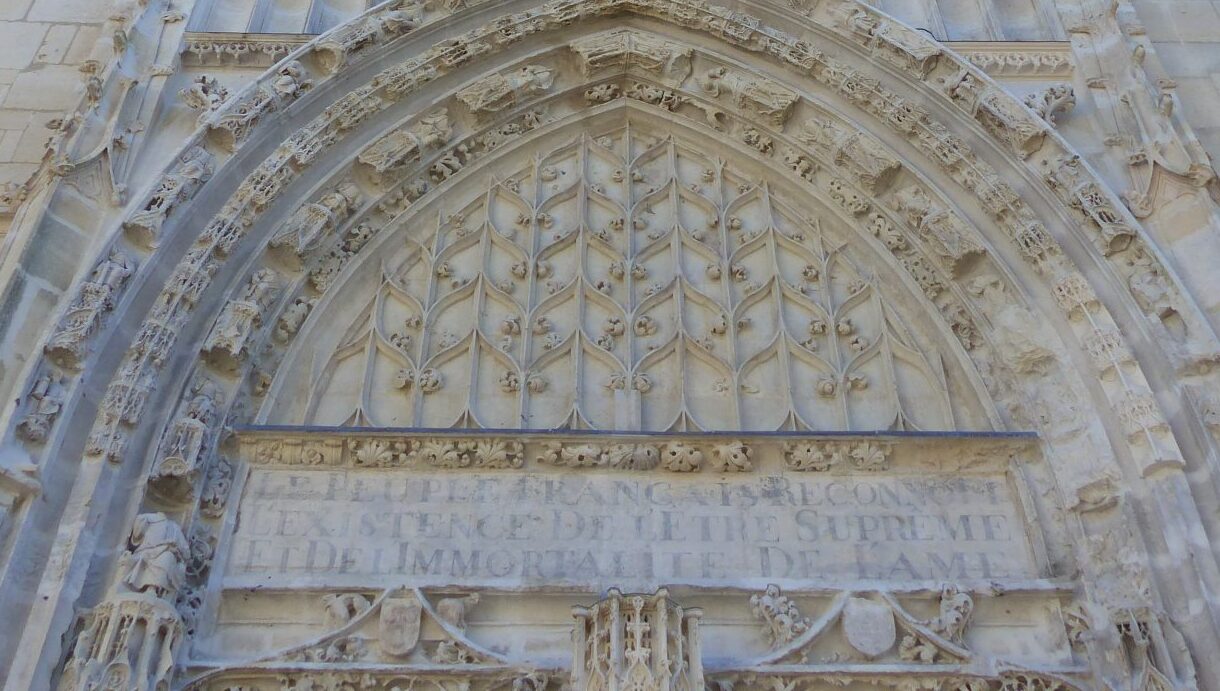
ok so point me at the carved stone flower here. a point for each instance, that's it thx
(645, 326)
(499, 454)
(404, 379)
(440, 453)
(633, 456)
(640, 382)
(535, 383)
(429, 381)
(732, 457)
(827, 386)
(813, 456)
(510, 382)
(376, 453)
(869, 456)
(681, 457)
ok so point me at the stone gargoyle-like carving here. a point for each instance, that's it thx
(496, 92)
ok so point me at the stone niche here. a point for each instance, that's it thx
(622, 561)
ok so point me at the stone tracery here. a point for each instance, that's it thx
(127, 399)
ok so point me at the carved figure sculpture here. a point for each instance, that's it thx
(176, 469)
(96, 297)
(400, 147)
(177, 187)
(496, 92)
(156, 556)
(45, 399)
(944, 231)
(763, 96)
(204, 94)
(306, 228)
(238, 322)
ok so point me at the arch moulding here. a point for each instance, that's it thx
(676, 241)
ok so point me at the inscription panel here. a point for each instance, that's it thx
(593, 528)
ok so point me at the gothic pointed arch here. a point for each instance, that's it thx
(654, 217)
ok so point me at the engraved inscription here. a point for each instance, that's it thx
(598, 528)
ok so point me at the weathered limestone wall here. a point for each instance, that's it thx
(1186, 34)
(43, 46)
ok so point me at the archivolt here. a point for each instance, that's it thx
(1064, 219)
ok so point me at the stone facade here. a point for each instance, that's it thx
(609, 344)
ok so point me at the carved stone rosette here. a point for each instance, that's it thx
(636, 643)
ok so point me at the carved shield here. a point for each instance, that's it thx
(869, 626)
(399, 627)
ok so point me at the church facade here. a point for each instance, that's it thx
(611, 345)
